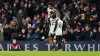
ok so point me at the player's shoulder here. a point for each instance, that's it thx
(51, 18)
(48, 9)
(61, 20)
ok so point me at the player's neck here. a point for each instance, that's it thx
(57, 18)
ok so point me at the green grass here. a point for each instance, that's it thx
(47, 53)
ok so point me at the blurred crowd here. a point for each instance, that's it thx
(26, 20)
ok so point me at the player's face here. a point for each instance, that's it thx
(50, 6)
(33, 26)
(35, 18)
(87, 28)
(14, 41)
(38, 29)
(68, 13)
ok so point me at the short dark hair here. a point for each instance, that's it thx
(51, 12)
(50, 3)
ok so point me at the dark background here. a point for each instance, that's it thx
(97, 2)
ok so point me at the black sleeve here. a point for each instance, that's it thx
(55, 26)
(64, 26)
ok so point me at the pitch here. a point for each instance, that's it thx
(48, 53)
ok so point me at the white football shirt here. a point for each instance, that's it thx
(59, 30)
(52, 25)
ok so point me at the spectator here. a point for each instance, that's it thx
(83, 2)
(7, 32)
(77, 34)
(8, 13)
(43, 18)
(23, 35)
(83, 19)
(36, 10)
(29, 9)
(34, 20)
(64, 8)
(36, 36)
(28, 20)
(3, 19)
(38, 23)
(94, 34)
(20, 16)
(25, 17)
(33, 28)
(75, 21)
(87, 33)
(42, 8)
(15, 31)
(29, 34)
(15, 46)
(67, 34)
(67, 18)
(17, 5)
